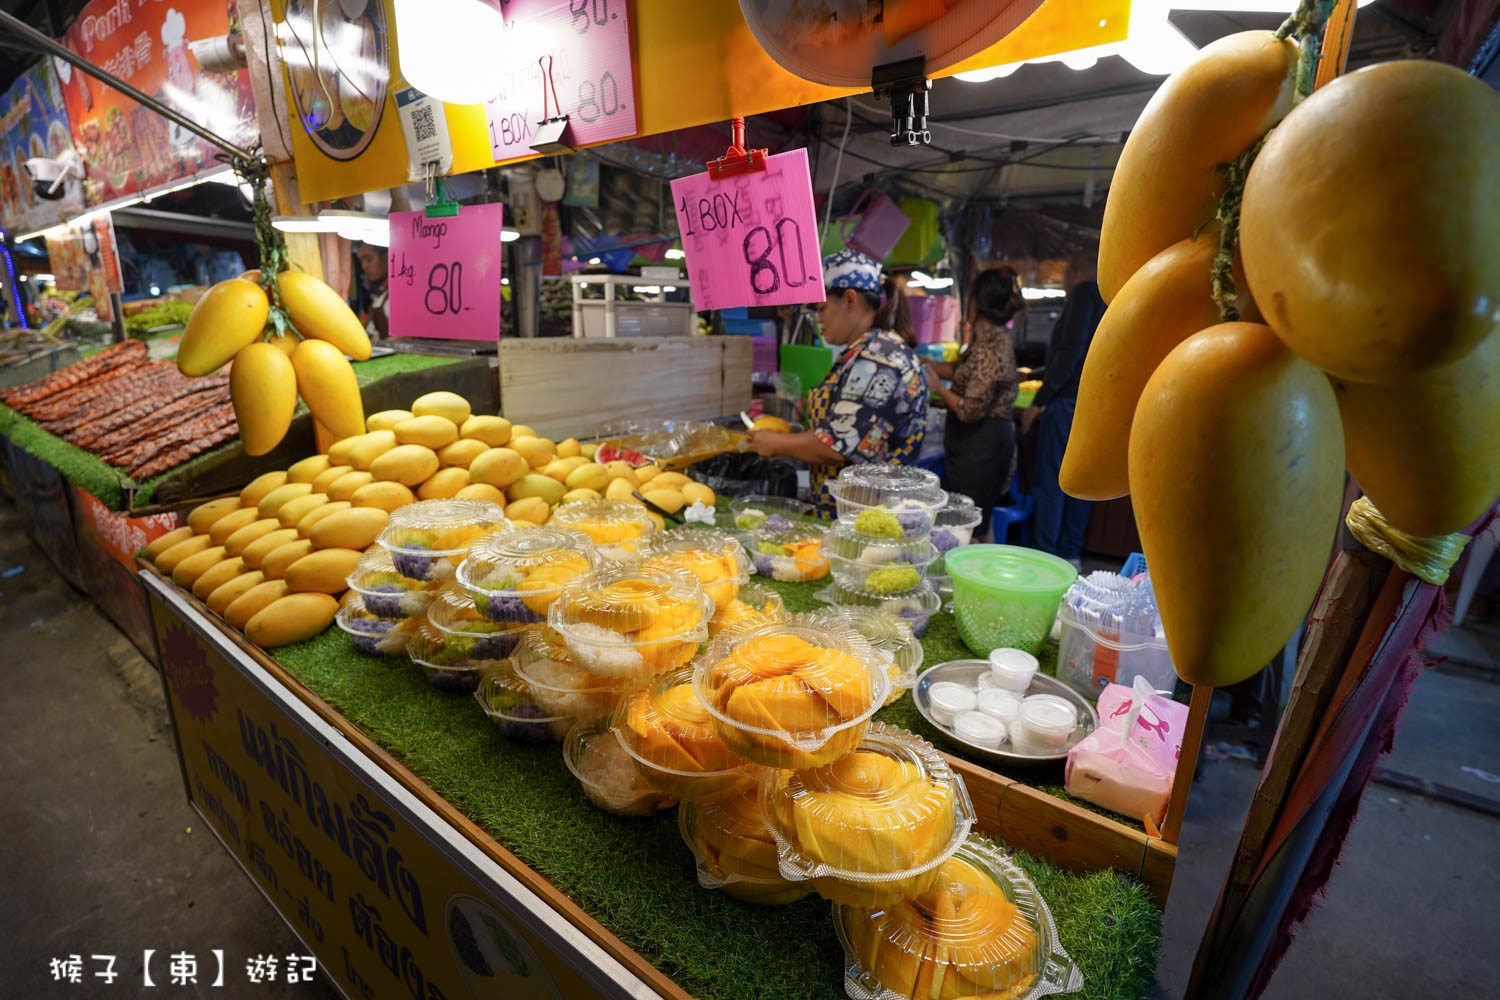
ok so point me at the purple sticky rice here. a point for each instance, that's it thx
(496, 646)
(525, 724)
(915, 523)
(458, 679)
(918, 619)
(509, 608)
(412, 564)
(943, 539)
(370, 632)
(763, 565)
(776, 523)
(384, 599)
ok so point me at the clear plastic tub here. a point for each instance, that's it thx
(455, 669)
(981, 930)
(750, 512)
(1012, 669)
(464, 629)
(895, 501)
(610, 779)
(797, 692)
(953, 526)
(916, 606)
(510, 705)
(387, 593)
(846, 543)
(949, 700)
(753, 605)
(429, 538)
(670, 734)
(792, 555)
(872, 827)
(1044, 724)
(626, 621)
(890, 579)
(981, 728)
(373, 635)
(615, 526)
(1089, 658)
(715, 558)
(734, 850)
(515, 577)
(542, 662)
(887, 634)
(999, 704)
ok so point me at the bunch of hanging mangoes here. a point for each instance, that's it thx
(1367, 273)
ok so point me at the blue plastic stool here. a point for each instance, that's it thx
(932, 463)
(1135, 564)
(1019, 513)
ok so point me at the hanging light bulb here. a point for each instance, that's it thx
(445, 46)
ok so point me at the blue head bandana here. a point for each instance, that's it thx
(851, 269)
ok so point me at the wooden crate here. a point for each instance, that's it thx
(567, 388)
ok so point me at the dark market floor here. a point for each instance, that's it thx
(102, 854)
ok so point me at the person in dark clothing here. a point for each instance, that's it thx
(1060, 519)
(979, 437)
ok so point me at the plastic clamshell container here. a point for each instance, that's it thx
(510, 705)
(610, 779)
(542, 662)
(716, 559)
(793, 554)
(896, 501)
(428, 539)
(981, 930)
(844, 542)
(888, 634)
(1006, 596)
(373, 635)
(894, 578)
(670, 734)
(735, 853)
(750, 512)
(626, 621)
(616, 527)
(797, 693)
(1089, 658)
(872, 827)
(953, 526)
(453, 614)
(387, 593)
(515, 576)
(916, 606)
(753, 605)
(455, 669)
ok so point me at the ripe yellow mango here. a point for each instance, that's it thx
(286, 343)
(328, 387)
(355, 528)
(235, 544)
(159, 545)
(338, 452)
(668, 500)
(343, 487)
(252, 494)
(534, 450)
(275, 563)
(622, 488)
(622, 470)
(293, 511)
(430, 431)
(324, 571)
(308, 469)
(265, 545)
(534, 484)
(646, 473)
(589, 449)
(386, 496)
(588, 476)
(667, 480)
(443, 484)
(263, 389)
(568, 448)
(216, 576)
(293, 618)
(330, 476)
(1237, 478)
(229, 317)
(407, 464)
(168, 558)
(270, 505)
(232, 522)
(498, 467)
(574, 496)
(493, 431)
(314, 516)
(532, 510)
(249, 604)
(227, 593)
(187, 570)
(481, 491)
(461, 453)
(449, 405)
(369, 448)
(202, 517)
(698, 493)
(386, 420)
(521, 431)
(560, 468)
(320, 312)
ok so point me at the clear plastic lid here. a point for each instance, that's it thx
(897, 501)
(893, 578)
(615, 526)
(979, 727)
(980, 929)
(797, 692)
(753, 605)
(624, 620)
(454, 615)
(387, 593)
(793, 554)
(427, 539)
(750, 512)
(671, 736)
(954, 525)
(373, 635)
(716, 559)
(515, 576)
(727, 835)
(844, 541)
(873, 825)
(508, 702)
(916, 606)
(888, 634)
(451, 668)
(541, 660)
(610, 779)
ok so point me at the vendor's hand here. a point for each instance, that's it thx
(766, 443)
(1028, 418)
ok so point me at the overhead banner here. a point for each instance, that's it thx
(85, 258)
(130, 148)
(34, 124)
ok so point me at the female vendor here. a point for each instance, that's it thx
(872, 407)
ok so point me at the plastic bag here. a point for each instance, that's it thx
(733, 474)
(1127, 764)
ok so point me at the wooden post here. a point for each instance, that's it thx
(1187, 761)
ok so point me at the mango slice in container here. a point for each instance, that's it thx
(447, 667)
(616, 526)
(872, 827)
(753, 605)
(715, 558)
(429, 538)
(385, 592)
(373, 635)
(670, 735)
(791, 554)
(453, 614)
(626, 621)
(980, 929)
(510, 705)
(796, 692)
(542, 662)
(515, 577)
(889, 635)
(893, 501)
(735, 853)
(608, 775)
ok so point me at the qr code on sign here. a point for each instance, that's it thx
(422, 124)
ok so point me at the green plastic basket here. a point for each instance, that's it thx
(1006, 596)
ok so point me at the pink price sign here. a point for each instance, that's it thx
(575, 56)
(444, 274)
(751, 239)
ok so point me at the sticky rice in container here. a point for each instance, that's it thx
(890, 636)
(560, 686)
(371, 634)
(428, 539)
(793, 554)
(616, 527)
(893, 501)
(607, 774)
(625, 621)
(510, 705)
(716, 559)
(514, 577)
(448, 668)
(387, 593)
(453, 614)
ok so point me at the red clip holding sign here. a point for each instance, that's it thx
(737, 159)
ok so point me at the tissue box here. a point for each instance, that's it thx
(1127, 764)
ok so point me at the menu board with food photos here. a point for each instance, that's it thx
(129, 147)
(85, 258)
(34, 125)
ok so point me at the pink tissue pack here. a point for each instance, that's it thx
(1126, 765)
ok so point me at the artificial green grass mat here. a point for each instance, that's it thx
(637, 877)
(106, 483)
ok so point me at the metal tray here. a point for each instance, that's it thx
(967, 672)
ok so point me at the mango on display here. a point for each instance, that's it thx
(258, 487)
(461, 453)
(228, 318)
(498, 467)
(386, 420)
(449, 405)
(203, 516)
(493, 431)
(385, 495)
(407, 464)
(430, 431)
(227, 593)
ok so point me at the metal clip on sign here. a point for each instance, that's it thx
(905, 85)
(549, 131)
(737, 159)
(443, 207)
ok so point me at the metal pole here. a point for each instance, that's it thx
(29, 33)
